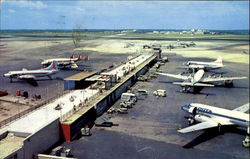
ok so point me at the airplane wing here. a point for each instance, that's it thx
(244, 108)
(24, 77)
(196, 84)
(200, 126)
(173, 76)
(216, 79)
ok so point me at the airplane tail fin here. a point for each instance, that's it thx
(79, 57)
(219, 60)
(52, 66)
(86, 58)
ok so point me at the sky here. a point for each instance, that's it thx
(80, 14)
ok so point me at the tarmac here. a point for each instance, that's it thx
(29, 56)
(149, 130)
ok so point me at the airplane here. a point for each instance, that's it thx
(211, 117)
(64, 62)
(205, 65)
(196, 81)
(31, 75)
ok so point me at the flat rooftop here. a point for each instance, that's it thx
(80, 76)
(10, 144)
(48, 113)
(142, 61)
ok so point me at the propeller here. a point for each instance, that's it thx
(190, 119)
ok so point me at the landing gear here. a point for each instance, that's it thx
(189, 89)
(228, 83)
(246, 141)
(186, 89)
(219, 128)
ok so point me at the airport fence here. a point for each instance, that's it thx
(27, 111)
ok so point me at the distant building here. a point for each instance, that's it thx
(186, 32)
(202, 32)
(128, 31)
(156, 32)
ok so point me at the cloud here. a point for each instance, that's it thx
(11, 10)
(28, 4)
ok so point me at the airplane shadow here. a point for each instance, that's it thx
(35, 82)
(200, 93)
(75, 69)
(222, 86)
(168, 82)
(212, 133)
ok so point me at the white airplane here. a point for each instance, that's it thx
(63, 62)
(25, 74)
(205, 65)
(210, 116)
(197, 80)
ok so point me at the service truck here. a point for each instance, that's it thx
(127, 100)
(160, 93)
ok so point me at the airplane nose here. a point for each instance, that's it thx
(185, 107)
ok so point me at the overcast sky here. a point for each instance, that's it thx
(63, 14)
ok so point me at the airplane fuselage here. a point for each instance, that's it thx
(205, 65)
(227, 117)
(36, 73)
(61, 61)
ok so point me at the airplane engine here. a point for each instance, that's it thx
(201, 118)
(228, 83)
(191, 119)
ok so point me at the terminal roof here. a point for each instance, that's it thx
(80, 76)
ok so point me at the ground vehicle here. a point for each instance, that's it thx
(22, 93)
(127, 100)
(142, 92)
(160, 93)
(3, 93)
(165, 59)
(126, 104)
(128, 97)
